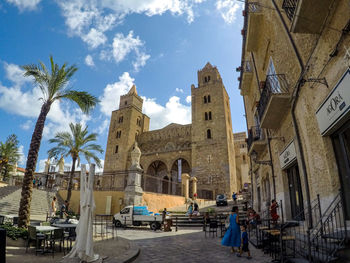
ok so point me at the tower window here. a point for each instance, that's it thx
(209, 115)
(119, 134)
(206, 116)
(125, 102)
(208, 134)
(208, 78)
(205, 79)
(116, 149)
(138, 121)
(205, 99)
(120, 119)
(208, 98)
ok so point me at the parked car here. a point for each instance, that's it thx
(221, 200)
(137, 216)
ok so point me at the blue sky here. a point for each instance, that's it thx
(158, 45)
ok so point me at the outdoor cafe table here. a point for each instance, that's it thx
(64, 226)
(45, 228)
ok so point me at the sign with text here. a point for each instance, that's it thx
(336, 106)
(288, 156)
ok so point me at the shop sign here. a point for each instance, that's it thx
(335, 107)
(288, 156)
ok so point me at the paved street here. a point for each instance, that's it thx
(185, 246)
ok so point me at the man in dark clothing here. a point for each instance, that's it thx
(64, 209)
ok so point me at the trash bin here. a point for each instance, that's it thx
(2, 245)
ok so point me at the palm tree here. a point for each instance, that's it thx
(53, 85)
(72, 144)
(9, 154)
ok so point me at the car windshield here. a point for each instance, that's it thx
(125, 211)
(221, 196)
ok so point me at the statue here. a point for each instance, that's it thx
(47, 165)
(61, 165)
(135, 157)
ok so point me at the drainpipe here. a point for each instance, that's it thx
(272, 169)
(294, 121)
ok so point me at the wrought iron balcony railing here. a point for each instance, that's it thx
(254, 134)
(289, 7)
(274, 84)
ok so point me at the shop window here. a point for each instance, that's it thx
(116, 149)
(208, 134)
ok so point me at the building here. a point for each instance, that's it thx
(242, 165)
(203, 149)
(295, 81)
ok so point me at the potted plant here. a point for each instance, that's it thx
(15, 236)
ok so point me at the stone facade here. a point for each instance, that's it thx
(242, 165)
(290, 64)
(203, 149)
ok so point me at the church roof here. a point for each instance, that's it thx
(208, 65)
(132, 90)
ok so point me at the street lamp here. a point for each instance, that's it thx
(254, 156)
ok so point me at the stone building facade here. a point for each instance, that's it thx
(295, 84)
(242, 160)
(203, 149)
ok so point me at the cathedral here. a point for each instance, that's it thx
(204, 149)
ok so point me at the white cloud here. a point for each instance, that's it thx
(94, 38)
(89, 61)
(25, 4)
(26, 125)
(122, 46)
(22, 159)
(15, 74)
(188, 99)
(229, 9)
(109, 101)
(173, 111)
(102, 128)
(140, 61)
(179, 90)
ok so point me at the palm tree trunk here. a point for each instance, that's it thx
(27, 186)
(70, 184)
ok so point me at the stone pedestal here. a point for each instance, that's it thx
(185, 185)
(133, 191)
(194, 186)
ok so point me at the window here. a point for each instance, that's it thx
(125, 211)
(208, 98)
(136, 135)
(120, 119)
(138, 121)
(119, 134)
(208, 78)
(205, 99)
(272, 77)
(243, 158)
(209, 115)
(205, 79)
(125, 102)
(116, 149)
(208, 134)
(206, 116)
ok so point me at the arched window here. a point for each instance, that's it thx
(205, 79)
(116, 149)
(120, 119)
(208, 78)
(209, 115)
(125, 102)
(205, 99)
(138, 121)
(119, 134)
(208, 134)
(206, 116)
(208, 98)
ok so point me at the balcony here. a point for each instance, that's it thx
(274, 101)
(247, 77)
(306, 16)
(255, 22)
(256, 140)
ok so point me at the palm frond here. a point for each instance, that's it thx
(85, 101)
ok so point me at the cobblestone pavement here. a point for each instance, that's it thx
(192, 247)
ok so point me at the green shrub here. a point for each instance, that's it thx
(14, 232)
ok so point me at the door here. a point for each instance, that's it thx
(295, 193)
(341, 143)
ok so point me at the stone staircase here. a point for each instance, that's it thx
(40, 205)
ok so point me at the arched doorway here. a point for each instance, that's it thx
(179, 167)
(153, 178)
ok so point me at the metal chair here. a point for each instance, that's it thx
(39, 239)
(57, 235)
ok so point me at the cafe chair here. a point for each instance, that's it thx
(57, 236)
(39, 239)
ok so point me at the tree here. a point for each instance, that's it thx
(73, 144)
(53, 86)
(9, 155)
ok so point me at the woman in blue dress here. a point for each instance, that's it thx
(232, 236)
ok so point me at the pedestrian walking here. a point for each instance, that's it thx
(232, 237)
(244, 242)
(53, 207)
(234, 197)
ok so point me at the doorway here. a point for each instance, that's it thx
(295, 193)
(341, 143)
